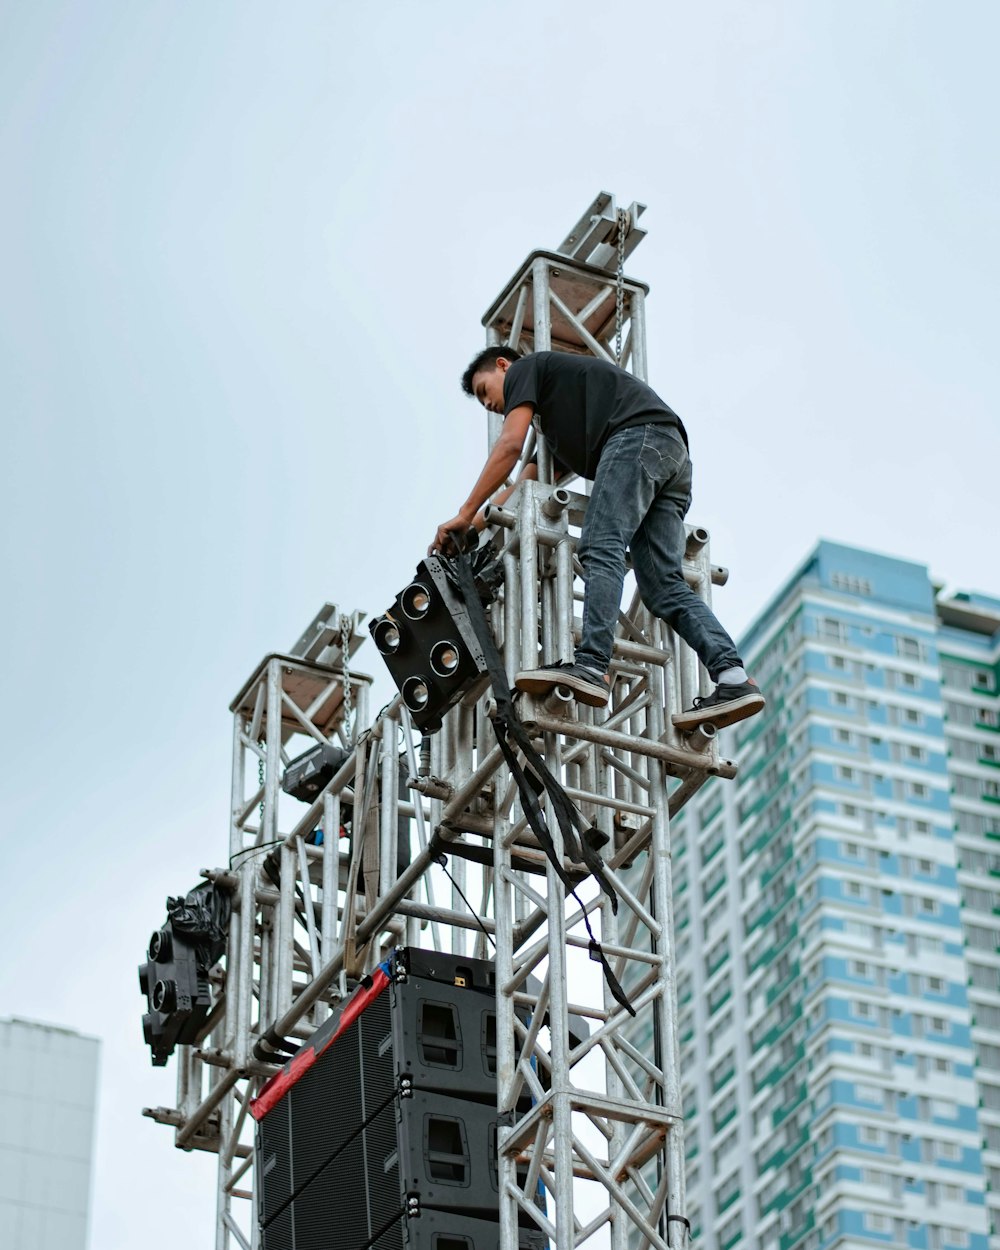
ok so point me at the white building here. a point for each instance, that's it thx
(48, 1092)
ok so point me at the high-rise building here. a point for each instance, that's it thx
(48, 1090)
(837, 921)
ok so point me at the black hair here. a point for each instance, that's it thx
(486, 360)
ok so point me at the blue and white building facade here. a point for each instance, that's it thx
(837, 923)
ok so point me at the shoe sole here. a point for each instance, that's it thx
(722, 714)
(533, 682)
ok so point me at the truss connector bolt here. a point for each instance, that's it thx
(164, 1115)
(431, 787)
(559, 701)
(556, 503)
(697, 539)
(701, 737)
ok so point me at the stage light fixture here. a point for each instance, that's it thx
(428, 643)
(312, 771)
(175, 978)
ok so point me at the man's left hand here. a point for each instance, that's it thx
(445, 539)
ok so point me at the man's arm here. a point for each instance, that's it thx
(496, 471)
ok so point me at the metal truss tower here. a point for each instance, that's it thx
(603, 1137)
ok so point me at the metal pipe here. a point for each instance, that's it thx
(542, 334)
(656, 750)
(637, 330)
(194, 1120)
(529, 577)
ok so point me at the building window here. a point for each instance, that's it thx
(990, 1096)
(982, 938)
(987, 1017)
(909, 649)
(984, 977)
(831, 629)
(851, 583)
(988, 1056)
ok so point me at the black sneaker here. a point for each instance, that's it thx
(588, 686)
(726, 704)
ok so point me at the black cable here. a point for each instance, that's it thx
(442, 861)
(511, 735)
(249, 850)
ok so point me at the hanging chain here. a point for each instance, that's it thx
(623, 225)
(260, 782)
(345, 660)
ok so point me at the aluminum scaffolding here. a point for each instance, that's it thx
(603, 1138)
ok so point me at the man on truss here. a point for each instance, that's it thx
(603, 423)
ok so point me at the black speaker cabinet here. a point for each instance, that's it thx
(448, 1230)
(430, 1230)
(400, 1103)
(419, 1154)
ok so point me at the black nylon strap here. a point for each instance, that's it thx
(508, 728)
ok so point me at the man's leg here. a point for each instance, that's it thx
(621, 497)
(657, 556)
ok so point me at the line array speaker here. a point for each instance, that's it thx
(393, 1120)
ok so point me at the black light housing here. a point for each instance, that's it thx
(175, 978)
(428, 643)
(312, 771)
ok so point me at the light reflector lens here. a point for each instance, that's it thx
(415, 694)
(387, 637)
(445, 658)
(415, 600)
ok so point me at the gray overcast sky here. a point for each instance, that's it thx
(244, 251)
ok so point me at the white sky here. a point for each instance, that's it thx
(244, 253)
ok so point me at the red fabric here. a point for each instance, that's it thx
(278, 1085)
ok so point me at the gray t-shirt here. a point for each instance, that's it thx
(580, 402)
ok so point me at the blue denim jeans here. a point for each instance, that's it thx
(641, 495)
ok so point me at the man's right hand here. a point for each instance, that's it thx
(451, 534)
